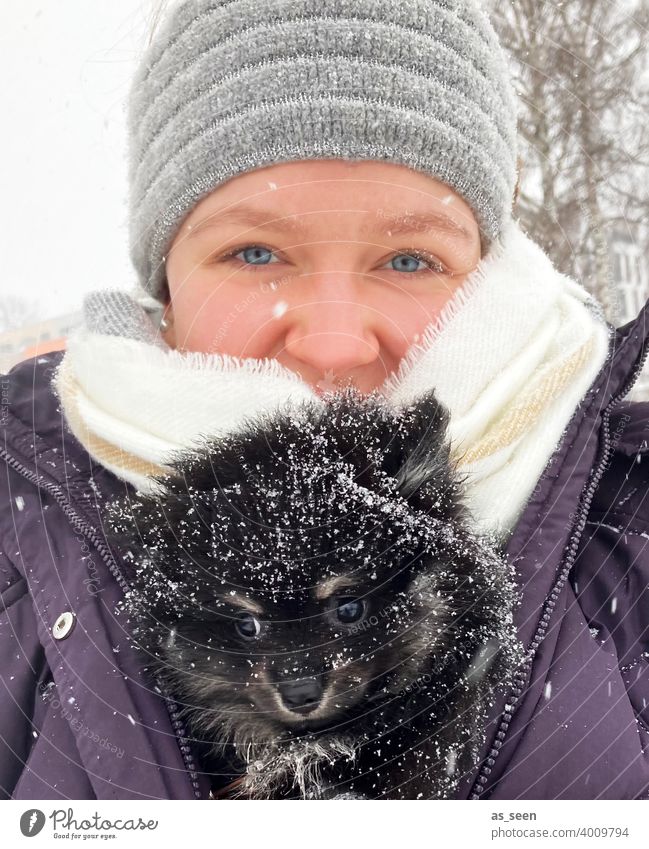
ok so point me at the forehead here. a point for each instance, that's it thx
(310, 564)
(288, 530)
(315, 593)
(306, 194)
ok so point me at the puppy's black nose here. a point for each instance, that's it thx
(301, 696)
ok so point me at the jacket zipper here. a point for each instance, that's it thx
(572, 549)
(88, 531)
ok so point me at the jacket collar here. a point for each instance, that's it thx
(545, 527)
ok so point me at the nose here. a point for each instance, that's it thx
(301, 696)
(333, 330)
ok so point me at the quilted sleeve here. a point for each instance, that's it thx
(22, 665)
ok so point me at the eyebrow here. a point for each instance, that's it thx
(243, 602)
(425, 221)
(330, 585)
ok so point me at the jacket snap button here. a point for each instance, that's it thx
(63, 626)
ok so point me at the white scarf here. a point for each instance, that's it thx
(511, 356)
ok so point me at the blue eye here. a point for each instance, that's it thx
(350, 610)
(248, 626)
(417, 257)
(253, 255)
(258, 256)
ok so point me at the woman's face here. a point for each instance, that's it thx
(330, 267)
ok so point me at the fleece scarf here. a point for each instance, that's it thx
(511, 356)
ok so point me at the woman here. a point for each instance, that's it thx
(367, 150)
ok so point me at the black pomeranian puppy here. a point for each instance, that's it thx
(310, 592)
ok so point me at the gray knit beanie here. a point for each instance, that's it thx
(228, 86)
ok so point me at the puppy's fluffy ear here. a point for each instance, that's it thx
(422, 468)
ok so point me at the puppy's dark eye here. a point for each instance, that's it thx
(247, 626)
(350, 610)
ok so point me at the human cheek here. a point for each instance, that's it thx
(407, 314)
(230, 320)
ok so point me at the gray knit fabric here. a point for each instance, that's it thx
(114, 312)
(228, 86)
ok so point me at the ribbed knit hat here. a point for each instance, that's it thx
(228, 86)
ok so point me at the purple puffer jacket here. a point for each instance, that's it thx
(79, 720)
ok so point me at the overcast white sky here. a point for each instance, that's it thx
(65, 69)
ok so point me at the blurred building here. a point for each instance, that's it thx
(631, 283)
(630, 267)
(35, 339)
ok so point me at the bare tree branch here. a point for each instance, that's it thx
(582, 77)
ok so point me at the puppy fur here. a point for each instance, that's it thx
(327, 544)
